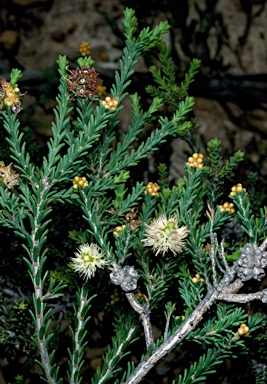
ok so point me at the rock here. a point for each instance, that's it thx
(58, 36)
(9, 38)
(25, 3)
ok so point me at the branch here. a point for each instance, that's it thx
(249, 265)
(144, 314)
(147, 364)
(244, 297)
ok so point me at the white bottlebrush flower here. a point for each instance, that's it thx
(87, 260)
(164, 235)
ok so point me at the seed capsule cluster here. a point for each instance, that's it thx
(79, 182)
(126, 277)
(237, 189)
(227, 207)
(251, 262)
(243, 330)
(196, 160)
(152, 189)
(82, 82)
(9, 96)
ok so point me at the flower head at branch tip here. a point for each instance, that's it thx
(87, 260)
(8, 176)
(84, 48)
(196, 160)
(164, 235)
(227, 207)
(243, 330)
(79, 182)
(152, 189)
(9, 96)
(237, 189)
(110, 102)
(197, 278)
(118, 230)
(82, 82)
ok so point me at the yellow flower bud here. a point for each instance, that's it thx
(196, 160)
(237, 189)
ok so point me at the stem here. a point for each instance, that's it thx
(77, 355)
(167, 326)
(243, 298)
(111, 366)
(212, 253)
(144, 314)
(97, 234)
(38, 288)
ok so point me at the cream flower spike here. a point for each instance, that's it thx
(87, 260)
(164, 235)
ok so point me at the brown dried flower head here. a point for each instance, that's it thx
(82, 82)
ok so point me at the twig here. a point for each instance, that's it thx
(167, 326)
(77, 355)
(243, 298)
(210, 215)
(144, 314)
(118, 352)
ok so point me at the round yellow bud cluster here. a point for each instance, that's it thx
(196, 160)
(197, 278)
(243, 330)
(180, 317)
(118, 230)
(110, 102)
(237, 188)
(101, 90)
(152, 189)
(117, 296)
(84, 48)
(79, 182)
(227, 207)
(9, 96)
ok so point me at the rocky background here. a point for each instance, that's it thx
(229, 36)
